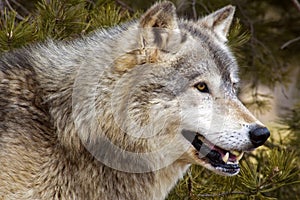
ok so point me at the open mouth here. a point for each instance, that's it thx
(221, 161)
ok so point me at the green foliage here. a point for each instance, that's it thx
(291, 126)
(237, 38)
(275, 169)
(292, 120)
(14, 34)
(61, 19)
(108, 14)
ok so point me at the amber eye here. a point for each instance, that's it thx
(202, 87)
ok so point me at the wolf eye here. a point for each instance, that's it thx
(202, 87)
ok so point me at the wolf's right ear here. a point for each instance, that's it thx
(157, 25)
(158, 33)
(160, 15)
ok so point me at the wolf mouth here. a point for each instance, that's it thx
(222, 161)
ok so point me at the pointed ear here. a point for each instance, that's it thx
(158, 35)
(158, 26)
(220, 21)
(160, 15)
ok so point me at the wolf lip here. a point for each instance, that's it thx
(221, 159)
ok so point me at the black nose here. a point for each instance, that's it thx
(258, 136)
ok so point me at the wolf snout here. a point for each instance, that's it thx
(259, 135)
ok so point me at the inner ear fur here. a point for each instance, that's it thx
(160, 15)
(158, 26)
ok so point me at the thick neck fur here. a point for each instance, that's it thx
(67, 167)
(86, 178)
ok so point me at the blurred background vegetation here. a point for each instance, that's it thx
(265, 37)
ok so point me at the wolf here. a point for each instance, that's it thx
(123, 113)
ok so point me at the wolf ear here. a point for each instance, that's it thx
(160, 15)
(157, 25)
(158, 33)
(220, 21)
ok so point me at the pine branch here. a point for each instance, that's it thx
(285, 45)
(26, 11)
(194, 9)
(189, 184)
(224, 194)
(12, 9)
(125, 6)
(297, 4)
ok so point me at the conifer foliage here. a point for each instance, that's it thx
(265, 38)
(65, 19)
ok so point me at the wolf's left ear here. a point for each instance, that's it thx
(220, 21)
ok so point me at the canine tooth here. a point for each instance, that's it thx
(226, 157)
(239, 157)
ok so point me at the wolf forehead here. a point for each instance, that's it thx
(211, 55)
(201, 57)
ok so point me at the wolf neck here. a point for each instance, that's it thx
(94, 176)
(107, 183)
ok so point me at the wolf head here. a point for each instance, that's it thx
(172, 89)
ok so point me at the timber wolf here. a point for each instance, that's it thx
(122, 113)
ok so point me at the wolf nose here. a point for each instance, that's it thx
(258, 136)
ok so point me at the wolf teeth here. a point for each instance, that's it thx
(226, 157)
(239, 157)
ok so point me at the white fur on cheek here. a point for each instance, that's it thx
(196, 115)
